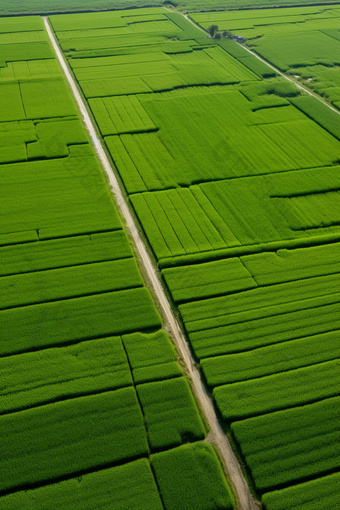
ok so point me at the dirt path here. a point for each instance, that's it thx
(216, 435)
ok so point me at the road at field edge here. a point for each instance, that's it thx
(301, 87)
(216, 435)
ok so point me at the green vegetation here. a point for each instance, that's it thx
(313, 495)
(87, 376)
(184, 484)
(52, 285)
(187, 283)
(325, 117)
(129, 485)
(290, 445)
(74, 320)
(48, 375)
(278, 391)
(303, 41)
(86, 433)
(152, 357)
(272, 359)
(170, 413)
(48, 6)
(64, 252)
(262, 316)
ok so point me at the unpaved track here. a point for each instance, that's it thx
(216, 434)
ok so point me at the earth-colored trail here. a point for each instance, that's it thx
(216, 435)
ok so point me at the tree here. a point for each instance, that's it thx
(228, 34)
(218, 36)
(212, 30)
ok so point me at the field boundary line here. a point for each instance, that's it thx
(216, 435)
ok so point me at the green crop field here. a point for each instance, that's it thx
(88, 376)
(304, 42)
(233, 174)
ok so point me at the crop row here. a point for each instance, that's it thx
(188, 283)
(273, 138)
(291, 445)
(271, 359)
(29, 140)
(239, 212)
(177, 474)
(124, 114)
(263, 316)
(279, 391)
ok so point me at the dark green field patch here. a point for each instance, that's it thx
(187, 283)
(72, 320)
(170, 413)
(191, 477)
(279, 391)
(75, 281)
(129, 486)
(271, 359)
(152, 357)
(72, 251)
(291, 445)
(82, 433)
(48, 375)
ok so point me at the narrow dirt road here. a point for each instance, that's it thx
(216, 435)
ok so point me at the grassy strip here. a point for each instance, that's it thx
(70, 251)
(191, 477)
(82, 433)
(121, 487)
(278, 391)
(271, 359)
(60, 197)
(70, 321)
(319, 112)
(75, 281)
(44, 376)
(313, 495)
(291, 445)
(166, 261)
(152, 357)
(187, 283)
(170, 413)
(289, 265)
(257, 299)
(266, 331)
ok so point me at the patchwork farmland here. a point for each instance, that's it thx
(233, 175)
(94, 403)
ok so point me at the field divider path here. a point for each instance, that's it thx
(216, 436)
(301, 87)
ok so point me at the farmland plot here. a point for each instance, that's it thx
(234, 176)
(84, 362)
(304, 42)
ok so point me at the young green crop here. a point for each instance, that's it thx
(49, 375)
(64, 252)
(291, 445)
(271, 359)
(84, 433)
(278, 391)
(191, 477)
(170, 413)
(313, 495)
(129, 486)
(73, 320)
